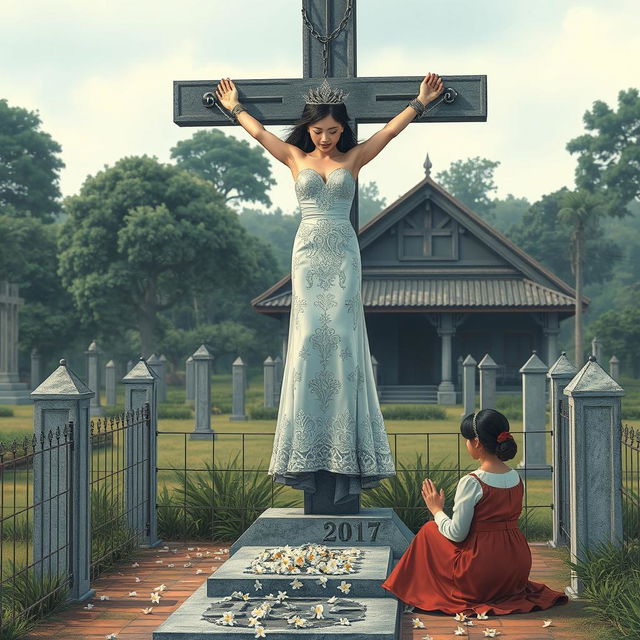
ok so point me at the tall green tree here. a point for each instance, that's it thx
(619, 332)
(471, 182)
(609, 155)
(29, 165)
(238, 170)
(370, 202)
(143, 236)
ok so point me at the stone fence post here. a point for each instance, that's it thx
(469, 385)
(202, 360)
(110, 382)
(63, 397)
(141, 441)
(595, 476)
(534, 422)
(93, 377)
(35, 368)
(559, 376)
(269, 375)
(487, 369)
(162, 372)
(614, 368)
(239, 387)
(188, 380)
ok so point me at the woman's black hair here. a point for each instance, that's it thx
(490, 424)
(299, 135)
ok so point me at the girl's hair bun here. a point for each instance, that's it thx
(493, 431)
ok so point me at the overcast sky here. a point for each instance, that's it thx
(100, 74)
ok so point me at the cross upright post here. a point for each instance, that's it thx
(329, 50)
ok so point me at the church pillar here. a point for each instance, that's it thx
(446, 389)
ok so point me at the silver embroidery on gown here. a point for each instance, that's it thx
(329, 417)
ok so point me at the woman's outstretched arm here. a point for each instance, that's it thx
(227, 95)
(430, 89)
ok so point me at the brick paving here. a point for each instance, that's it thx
(122, 615)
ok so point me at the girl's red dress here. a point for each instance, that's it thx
(488, 572)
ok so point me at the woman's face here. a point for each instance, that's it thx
(325, 133)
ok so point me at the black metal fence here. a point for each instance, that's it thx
(216, 489)
(630, 439)
(120, 476)
(36, 489)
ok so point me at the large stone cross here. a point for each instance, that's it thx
(375, 99)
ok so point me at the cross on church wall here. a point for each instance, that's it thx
(371, 100)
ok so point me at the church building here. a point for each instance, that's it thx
(438, 284)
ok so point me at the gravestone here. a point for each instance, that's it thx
(487, 369)
(239, 388)
(278, 102)
(110, 382)
(93, 378)
(12, 391)
(202, 384)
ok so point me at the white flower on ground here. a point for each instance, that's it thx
(282, 595)
(186, 565)
(190, 548)
(270, 596)
(162, 587)
(297, 621)
(198, 555)
(460, 631)
(345, 587)
(546, 623)
(245, 596)
(104, 597)
(252, 622)
(199, 571)
(322, 581)
(260, 632)
(111, 636)
(460, 617)
(147, 611)
(133, 594)
(258, 613)
(171, 565)
(318, 611)
(491, 633)
(296, 584)
(257, 585)
(137, 579)
(135, 564)
(427, 637)
(332, 599)
(468, 623)
(408, 608)
(228, 619)
(155, 597)
(417, 623)
(482, 616)
(345, 622)
(174, 550)
(89, 606)
(158, 561)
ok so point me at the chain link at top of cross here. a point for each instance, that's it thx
(335, 32)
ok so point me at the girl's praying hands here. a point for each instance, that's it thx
(433, 498)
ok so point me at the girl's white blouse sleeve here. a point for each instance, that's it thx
(468, 494)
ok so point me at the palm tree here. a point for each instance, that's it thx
(581, 210)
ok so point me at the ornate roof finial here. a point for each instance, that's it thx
(427, 166)
(324, 94)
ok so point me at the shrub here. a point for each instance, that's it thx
(534, 525)
(220, 504)
(630, 413)
(6, 412)
(511, 406)
(413, 412)
(631, 514)
(403, 492)
(221, 407)
(611, 578)
(258, 412)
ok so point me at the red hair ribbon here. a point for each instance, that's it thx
(505, 435)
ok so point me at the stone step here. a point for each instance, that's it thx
(371, 571)
(186, 623)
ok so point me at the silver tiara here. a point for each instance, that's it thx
(324, 94)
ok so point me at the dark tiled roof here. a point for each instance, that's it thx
(449, 293)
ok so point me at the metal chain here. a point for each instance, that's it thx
(324, 40)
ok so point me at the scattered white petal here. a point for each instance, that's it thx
(155, 598)
(186, 565)
(133, 594)
(147, 611)
(174, 550)
(427, 637)
(345, 622)
(332, 599)
(135, 564)
(199, 555)
(228, 619)
(159, 561)
(345, 587)
(282, 595)
(111, 636)
(296, 584)
(318, 611)
(137, 579)
(491, 633)
(165, 548)
(482, 616)
(89, 606)
(162, 587)
(547, 623)
(417, 623)
(199, 571)
(257, 585)
(460, 617)
(171, 565)
(460, 631)
(104, 597)
(190, 548)
(260, 632)
(408, 608)
(322, 580)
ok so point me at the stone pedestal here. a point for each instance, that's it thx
(487, 369)
(534, 460)
(202, 360)
(560, 374)
(93, 377)
(188, 380)
(269, 375)
(12, 391)
(239, 387)
(446, 389)
(110, 382)
(595, 462)
(469, 385)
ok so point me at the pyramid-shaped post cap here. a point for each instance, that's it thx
(593, 380)
(487, 363)
(238, 361)
(153, 359)
(534, 365)
(93, 347)
(202, 353)
(62, 383)
(34, 352)
(162, 358)
(562, 368)
(269, 360)
(189, 359)
(469, 361)
(140, 372)
(110, 364)
(613, 360)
